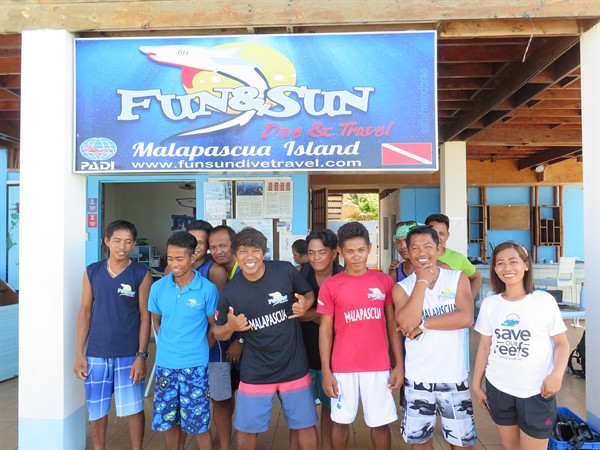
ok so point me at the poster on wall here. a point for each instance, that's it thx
(264, 226)
(217, 200)
(278, 198)
(249, 199)
(314, 102)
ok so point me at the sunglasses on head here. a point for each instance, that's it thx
(521, 246)
(407, 223)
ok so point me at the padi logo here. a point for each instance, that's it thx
(277, 298)
(376, 294)
(97, 150)
(241, 80)
(125, 290)
(512, 320)
(95, 165)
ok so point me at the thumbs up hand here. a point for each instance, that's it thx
(237, 323)
(300, 307)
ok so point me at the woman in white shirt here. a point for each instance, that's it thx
(523, 352)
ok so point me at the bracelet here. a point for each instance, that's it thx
(423, 280)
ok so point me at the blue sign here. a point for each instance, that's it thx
(306, 102)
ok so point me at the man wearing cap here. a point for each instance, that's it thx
(399, 270)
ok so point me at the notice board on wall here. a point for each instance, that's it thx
(509, 217)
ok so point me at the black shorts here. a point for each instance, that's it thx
(535, 415)
(235, 378)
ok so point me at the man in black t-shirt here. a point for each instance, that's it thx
(265, 303)
(322, 264)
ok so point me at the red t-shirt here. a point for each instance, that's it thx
(360, 342)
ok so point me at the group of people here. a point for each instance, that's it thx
(231, 320)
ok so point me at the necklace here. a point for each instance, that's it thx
(112, 274)
(432, 284)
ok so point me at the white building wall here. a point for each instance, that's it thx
(52, 253)
(590, 108)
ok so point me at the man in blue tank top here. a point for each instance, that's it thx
(114, 321)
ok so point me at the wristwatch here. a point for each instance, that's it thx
(143, 355)
(241, 339)
(422, 325)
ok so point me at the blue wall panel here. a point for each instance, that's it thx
(573, 221)
(418, 203)
(508, 195)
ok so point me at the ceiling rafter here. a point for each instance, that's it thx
(549, 156)
(519, 75)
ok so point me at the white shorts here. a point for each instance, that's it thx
(372, 389)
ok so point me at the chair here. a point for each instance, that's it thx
(564, 278)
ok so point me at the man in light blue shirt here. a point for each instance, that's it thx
(183, 308)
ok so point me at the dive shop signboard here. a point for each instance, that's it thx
(285, 103)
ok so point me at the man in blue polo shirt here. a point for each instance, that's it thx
(183, 308)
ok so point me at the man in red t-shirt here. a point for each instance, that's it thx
(356, 307)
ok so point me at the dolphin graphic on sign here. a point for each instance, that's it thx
(193, 59)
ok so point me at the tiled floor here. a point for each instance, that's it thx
(572, 396)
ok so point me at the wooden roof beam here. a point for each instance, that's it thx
(548, 156)
(459, 84)
(8, 132)
(465, 71)
(10, 105)
(518, 75)
(11, 82)
(480, 53)
(10, 115)
(543, 120)
(107, 15)
(560, 94)
(556, 114)
(527, 138)
(510, 28)
(10, 66)
(10, 41)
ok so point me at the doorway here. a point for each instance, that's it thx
(333, 208)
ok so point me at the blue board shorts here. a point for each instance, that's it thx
(181, 396)
(254, 404)
(108, 375)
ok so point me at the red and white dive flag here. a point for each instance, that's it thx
(404, 154)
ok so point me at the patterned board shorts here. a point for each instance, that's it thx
(424, 401)
(181, 396)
